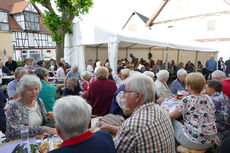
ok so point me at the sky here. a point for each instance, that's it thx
(113, 14)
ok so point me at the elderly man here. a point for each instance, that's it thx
(149, 129)
(11, 87)
(62, 60)
(160, 84)
(220, 76)
(211, 65)
(179, 83)
(72, 116)
(11, 64)
(222, 107)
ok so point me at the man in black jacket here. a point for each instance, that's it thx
(11, 64)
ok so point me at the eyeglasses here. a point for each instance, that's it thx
(128, 91)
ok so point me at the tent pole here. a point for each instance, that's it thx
(162, 54)
(126, 55)
(196, 60)
(97, 53)
(178, 56)
(167, 56)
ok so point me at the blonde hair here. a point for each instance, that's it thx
(102, 73)
(70, 82)
(196, 81)
(125, 73)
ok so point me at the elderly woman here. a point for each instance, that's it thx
(73, 87)
(88, 80)
(74, 130)
(27, 110)
(73, 74)
(179, 83)
(199, 128)
(101, 92)
(48, 91)
(98, 65)
(161, 86)
(158, 98)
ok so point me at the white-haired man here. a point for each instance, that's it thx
(62, 60)
(220, 76)
(160, 84)
(179, 82)
(11, 87)
(72, 116)
(149, 129)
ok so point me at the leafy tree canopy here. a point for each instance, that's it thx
(59, 25)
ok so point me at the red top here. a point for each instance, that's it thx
(226, 87)
(77, 139)
(86, 84)
(100, 94)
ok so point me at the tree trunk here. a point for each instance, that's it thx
(60, 49)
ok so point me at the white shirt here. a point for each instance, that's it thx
(60, 73)
(89, 69)
(35, 117)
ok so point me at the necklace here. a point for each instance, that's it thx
(30, 105)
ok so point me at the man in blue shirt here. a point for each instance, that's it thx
(132, 57)
(179, 83)
(211, 65)
(11, 87)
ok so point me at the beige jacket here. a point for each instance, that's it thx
(163, 89)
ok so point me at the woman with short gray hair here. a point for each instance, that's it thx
(72, 116)
(27, 110)
(73, 74)
(48, 91)
(160, 84)
(179, 82)
(88, 79)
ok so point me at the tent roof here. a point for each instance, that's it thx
(91, 36)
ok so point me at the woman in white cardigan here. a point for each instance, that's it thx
(161, 86)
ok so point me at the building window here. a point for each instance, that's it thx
(4, 25)
(211, 25)
(32, 21)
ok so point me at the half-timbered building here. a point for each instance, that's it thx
(29, 36)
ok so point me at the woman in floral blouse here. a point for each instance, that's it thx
(27, 110)
(199, 129)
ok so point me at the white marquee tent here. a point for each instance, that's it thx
(87, 36)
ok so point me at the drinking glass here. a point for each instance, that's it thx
(25, 136)
(56, 141)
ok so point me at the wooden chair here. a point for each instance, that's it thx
(183, 149)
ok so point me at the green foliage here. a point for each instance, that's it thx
(33, 148)
(60, 25)
(20, 63)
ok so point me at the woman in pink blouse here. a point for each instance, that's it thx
(199, 128)
(61, 71)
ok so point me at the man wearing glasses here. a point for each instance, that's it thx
(149, 128)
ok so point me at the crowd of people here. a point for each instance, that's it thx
(127, 104)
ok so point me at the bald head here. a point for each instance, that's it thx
(212, 57)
